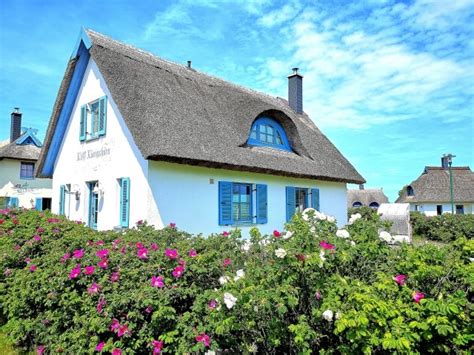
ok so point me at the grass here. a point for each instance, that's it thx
(418, 240)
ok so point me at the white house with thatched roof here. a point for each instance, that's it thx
(372, 198)
(430, 193)
(18, 157)
(134, 137)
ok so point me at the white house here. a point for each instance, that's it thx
(134, 137)
(18, 156)
(430, 193)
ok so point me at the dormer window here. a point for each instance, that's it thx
(410, 191)
(267, 132)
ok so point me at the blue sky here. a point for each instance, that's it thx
(390, 83)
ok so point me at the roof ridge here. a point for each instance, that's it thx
(281, 101)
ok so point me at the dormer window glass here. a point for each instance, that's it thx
(267, 132)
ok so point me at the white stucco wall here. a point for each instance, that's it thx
(32, 188)
(122, 159)
(185, 196)
(430, 209)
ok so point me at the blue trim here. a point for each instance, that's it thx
(124, 202)
(82, 39)
(225, 203)
(23, 140)
(290, 202)
(39, 203)
(92, 207)
(265, 121)
(13, 202)
(315, 199)
(66, 110)
(62, 198)
(262, 204)
(102, 116)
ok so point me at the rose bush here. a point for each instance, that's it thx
(307, 289)
(445, 228)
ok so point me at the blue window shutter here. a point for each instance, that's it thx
(262, 204)
(83, 124)
(39, 204)
(62, 195)
(225, 203)
(102, 115)
(124, 202)
(315, 199)
(13, 202)
(290, 202)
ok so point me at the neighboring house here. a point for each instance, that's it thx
(18, 156)
(134, 137)
(372, 198)
(430, 193)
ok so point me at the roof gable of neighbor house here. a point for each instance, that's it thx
(25, 147)
(177, 114)
(366, 197)
(433, 186)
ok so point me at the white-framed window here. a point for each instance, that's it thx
(27, 170)
(93, 122)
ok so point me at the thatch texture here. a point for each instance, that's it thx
(177, 114)
(433, 186)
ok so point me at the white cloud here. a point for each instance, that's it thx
(360, 73)
(279, 16)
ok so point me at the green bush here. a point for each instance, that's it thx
(304, 291)
(445, 228)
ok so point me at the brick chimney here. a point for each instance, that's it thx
(295, 91)
(15, 127)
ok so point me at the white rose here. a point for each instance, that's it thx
(328, 315)
(280, 253)
(320, 215)
(385, 236)
(307, 212)
(353, 243)
(224, 279)
(322, 256)
(338, 315)
(287, 235)
(229, 300)
(354, 218)
(342, 233)
(246, 246)
(264, 242)
(331, 219)
(239, 274)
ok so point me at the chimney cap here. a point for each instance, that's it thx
(16, 110)
(295, 72)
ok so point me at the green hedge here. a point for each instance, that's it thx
(302, 291)
(445, 228)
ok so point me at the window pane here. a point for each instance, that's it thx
(278, 138)
(301, 199)
(253, 134)
(241, 203)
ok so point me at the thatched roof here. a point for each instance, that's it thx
(433, 186)
(366, 197)
(20, 152)
(177, 114)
